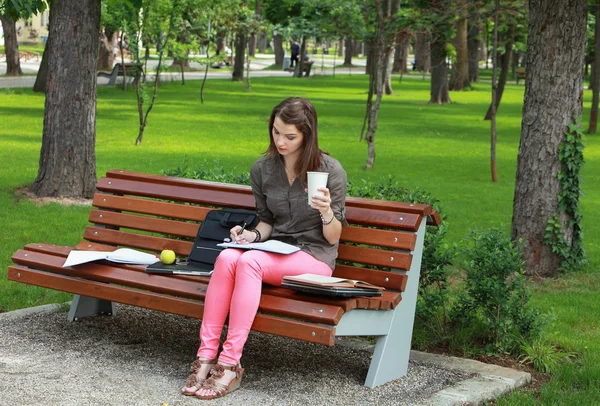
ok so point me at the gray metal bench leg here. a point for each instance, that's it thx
(83, 306)
(113, 77)
(390, 359)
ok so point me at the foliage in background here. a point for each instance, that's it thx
(494, 301)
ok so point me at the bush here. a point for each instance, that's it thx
(495, 298)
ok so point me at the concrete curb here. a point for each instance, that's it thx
(20, 313)
(490, 381)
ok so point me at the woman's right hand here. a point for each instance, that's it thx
(245, 238)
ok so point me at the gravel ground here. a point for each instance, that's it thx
(142, 357)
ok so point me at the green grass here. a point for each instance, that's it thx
(442, 149)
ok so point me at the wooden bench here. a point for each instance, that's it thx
(130, 70)
(520, 74)
(383, 245)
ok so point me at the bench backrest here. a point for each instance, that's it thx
(153, 212)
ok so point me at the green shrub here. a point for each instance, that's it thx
(495, 297)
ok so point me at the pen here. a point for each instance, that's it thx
(242, 230)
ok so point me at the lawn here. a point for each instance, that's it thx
(442, 149)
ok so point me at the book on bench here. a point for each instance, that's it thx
(121, 255)
(330, 281)
(275, 246)
(330, 286)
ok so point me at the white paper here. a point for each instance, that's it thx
(275, 246)
(122, 255)
(310, 277)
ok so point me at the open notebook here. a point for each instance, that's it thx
(330, 286)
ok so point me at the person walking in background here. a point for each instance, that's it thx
(279, 182)
(295, 48)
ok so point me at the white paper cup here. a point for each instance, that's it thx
(315, 181)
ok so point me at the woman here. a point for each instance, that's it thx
(279, 186)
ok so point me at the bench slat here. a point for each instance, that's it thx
(371, 256)
(135, 277)
(389, 280)
(153, 207)
(420, 209)
(235, 199)
(144, 223)
(361, 235)
(394, 281)
(139, 241)
(361, 255)
(264, 323)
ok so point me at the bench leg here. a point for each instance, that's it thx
(390, 359)
(83, 306)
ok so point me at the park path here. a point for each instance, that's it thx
(258, 65)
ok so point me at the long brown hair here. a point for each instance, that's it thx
(301, 113)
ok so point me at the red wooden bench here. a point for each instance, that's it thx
(383, 245)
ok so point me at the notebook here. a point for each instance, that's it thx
(330, 291)
(181, 268)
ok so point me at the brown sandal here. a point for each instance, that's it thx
(217, 372)
(193, 381)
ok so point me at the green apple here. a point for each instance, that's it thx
(167, 256)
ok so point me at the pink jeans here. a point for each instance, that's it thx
(235, 288)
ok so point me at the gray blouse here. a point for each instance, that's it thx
(285, 206)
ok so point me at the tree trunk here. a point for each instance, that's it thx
(278, 45)
(422, 53)
(369, 54)
(262, 42)
(401, 53)
(381, 50)
(41, 80)
(341, 47)
(459, 79)
(349, 50)
(595, 81)
(252, 44)
(106, 56)
(356, 48)
(473, 44)
(240, 56)
(67, 157)
(553, 99)
(221, 38)
(439, 72)
(11, 47)
(504, 65)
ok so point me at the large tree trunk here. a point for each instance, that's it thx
(11, 47)
(422, 53)
(595, 80)
(240, 56)
(67, 157)
(459, 79)
(473, 45)
(401, 55)
(278, 45)
(553, 99)
(41, 80)
(439, 72)
(504, 65)
(349, 51)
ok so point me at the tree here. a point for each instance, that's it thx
(545, 208)
(10, 12)
(459, 79)
(67, 157)
(382, 45)
(595, 85)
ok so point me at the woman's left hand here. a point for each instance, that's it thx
(322, 202)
